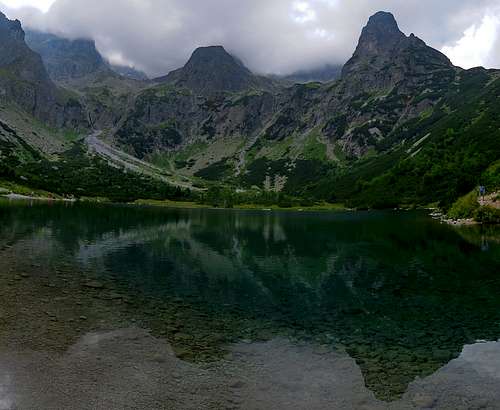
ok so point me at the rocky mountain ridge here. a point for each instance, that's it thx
(69, 60)
(215, 122)
(385, 57)
(390, 79)
(25, 83)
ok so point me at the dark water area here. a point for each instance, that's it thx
(401, 293)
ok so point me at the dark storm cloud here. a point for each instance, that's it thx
(278, 36)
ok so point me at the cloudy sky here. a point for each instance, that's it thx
(270, 36)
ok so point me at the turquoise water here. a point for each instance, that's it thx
(400, 292)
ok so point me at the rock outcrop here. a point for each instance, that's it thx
(24, 81)
(66, 59)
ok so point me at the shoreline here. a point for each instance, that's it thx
(244, 207)
(180, 204)
(13, 196)
(434, 213)
(443, 218)
(322, 207)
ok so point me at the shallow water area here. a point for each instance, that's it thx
(382, 308)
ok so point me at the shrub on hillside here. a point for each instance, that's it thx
(487, 215)
(465, 207)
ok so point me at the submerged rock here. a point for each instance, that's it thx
(94, 285)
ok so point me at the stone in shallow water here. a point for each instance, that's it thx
(94, 284)
(423, 401)
(183, 353)
(182, 337)
(237, 385)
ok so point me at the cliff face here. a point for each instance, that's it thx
(390, 79)
(214, 96)
(77, 65)
(24, 81)
(66, 59)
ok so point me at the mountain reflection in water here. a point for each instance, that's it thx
(400, 292)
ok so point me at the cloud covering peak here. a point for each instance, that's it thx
(279, 36)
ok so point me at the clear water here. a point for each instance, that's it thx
(400, 292)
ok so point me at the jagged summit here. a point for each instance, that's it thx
(15, 56)
(212, 70)
(385, 56)
(383, 19)
(381, 33)
(11, 28)
(25, 82)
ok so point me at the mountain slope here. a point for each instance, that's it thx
(440, 156)
(77, 65)
(25, 82)
(401, 124)
(293, 136)
(66, 59)
(213, 98)
(390, 80)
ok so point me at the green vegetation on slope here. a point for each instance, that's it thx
(461, 141)
(79, 175)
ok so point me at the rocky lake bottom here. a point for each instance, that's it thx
(127, 307)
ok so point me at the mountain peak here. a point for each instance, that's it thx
(215, 57)
(383, 19)
(11, 28)
(212, 70)
(208, 51)
(380, 35)
(385, 56)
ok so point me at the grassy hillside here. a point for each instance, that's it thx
(77, 174)
(438, 158)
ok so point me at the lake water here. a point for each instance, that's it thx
(398, 292)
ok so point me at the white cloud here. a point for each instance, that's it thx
(270, 36)
(302, 12)
(477, 44)
(43, 5)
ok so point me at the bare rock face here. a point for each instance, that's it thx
(24, 81)
(213, 96)
(66, 59)
(130, 72)
(385, 57)
(211, 71)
